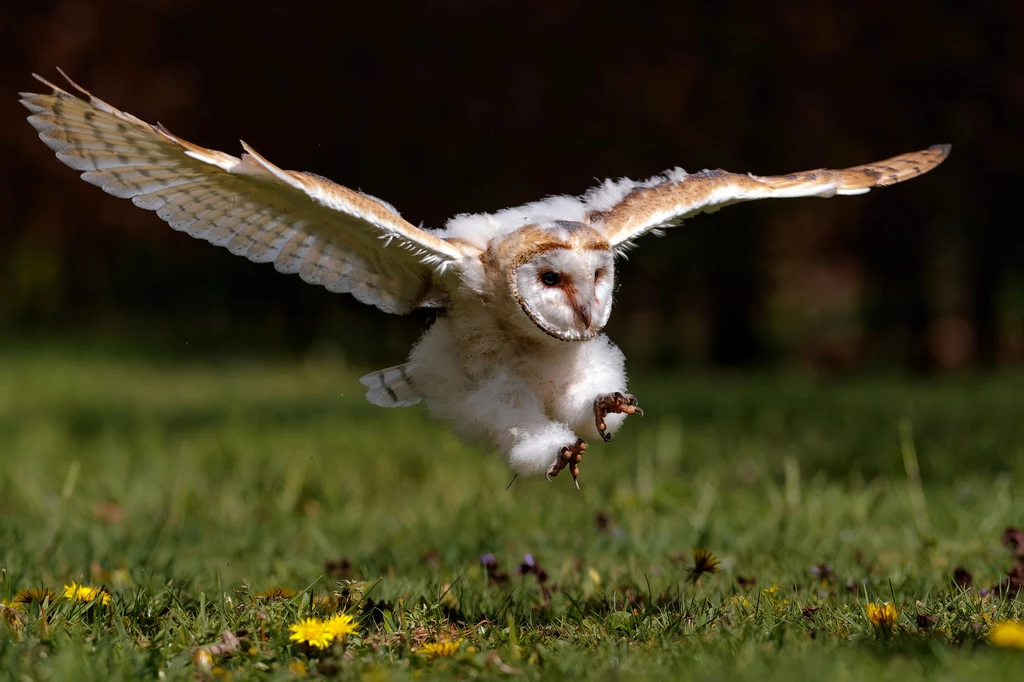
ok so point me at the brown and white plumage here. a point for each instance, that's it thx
(518, 360)
(677, 195)
(623, 209)
(328, 234)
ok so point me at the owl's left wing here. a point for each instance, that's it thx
(625, 210)
(330, 235)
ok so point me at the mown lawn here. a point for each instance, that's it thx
(244, 496)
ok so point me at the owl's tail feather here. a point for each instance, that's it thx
(391, 387)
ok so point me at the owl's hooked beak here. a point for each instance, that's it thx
(583, 314)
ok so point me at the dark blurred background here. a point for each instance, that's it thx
(473, 106)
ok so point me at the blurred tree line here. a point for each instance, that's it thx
(471, 106)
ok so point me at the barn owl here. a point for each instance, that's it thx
(517, 359)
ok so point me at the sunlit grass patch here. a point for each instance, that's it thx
(265, 523)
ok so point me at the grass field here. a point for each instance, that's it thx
(200, 495)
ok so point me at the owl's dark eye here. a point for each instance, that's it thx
(550, 278)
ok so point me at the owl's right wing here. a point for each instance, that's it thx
(625, 210)
(330, 235)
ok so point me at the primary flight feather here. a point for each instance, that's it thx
(519, 360)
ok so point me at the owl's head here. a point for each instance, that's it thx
(561, 275)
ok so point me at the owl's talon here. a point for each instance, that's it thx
(613, 403)
(569, 457)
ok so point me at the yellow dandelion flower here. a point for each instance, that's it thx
(882, 616)
(340, 626)
(311, 631)
(771, 590)
(275, 593)
(85, 593)
(37, 596)
(703, 562)
(1007, 633)
(439, 649)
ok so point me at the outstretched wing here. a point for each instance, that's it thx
(330, 235)
(624, 210)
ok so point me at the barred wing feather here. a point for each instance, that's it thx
(328, 234)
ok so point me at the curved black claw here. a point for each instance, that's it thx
(569, 456)
(613, 403)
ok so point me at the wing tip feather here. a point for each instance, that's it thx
(59, 91)
(45, 82)
(73, 84)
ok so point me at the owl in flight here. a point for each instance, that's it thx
(518, 358)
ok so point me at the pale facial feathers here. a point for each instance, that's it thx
(549, 281)
(567, 293)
